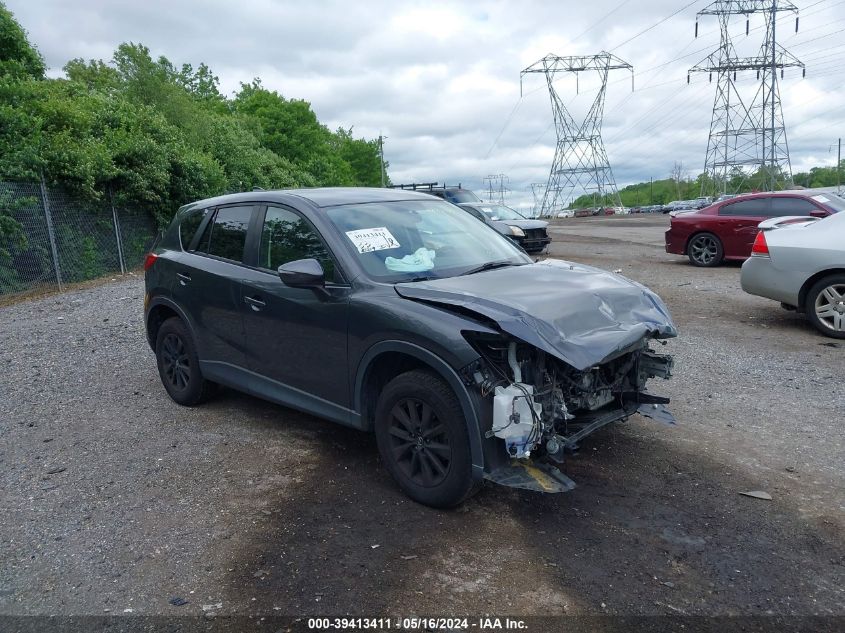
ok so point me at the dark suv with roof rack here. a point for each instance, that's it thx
(454, 194)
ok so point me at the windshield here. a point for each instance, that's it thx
(831, 201)
(401, 241)
(460, 195)
(499, 212)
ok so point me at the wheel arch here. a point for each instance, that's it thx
(161, 310)
(698, 231)
(811, 281)
(388, 359)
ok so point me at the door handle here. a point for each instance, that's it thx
(255, 303)
(184, 278)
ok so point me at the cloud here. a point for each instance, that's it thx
(442, 80)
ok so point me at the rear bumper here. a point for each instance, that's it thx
(675, 243)
(760, 277)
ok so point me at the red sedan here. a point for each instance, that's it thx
(726, 230)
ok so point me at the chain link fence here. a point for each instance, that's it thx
(50, 238)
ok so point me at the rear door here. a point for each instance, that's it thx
(793, 205)
(207, 284)
(295, 337)
(738, 224)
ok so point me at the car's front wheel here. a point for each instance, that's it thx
(705, 249)
(178, 364)
(825, 306)
(422, 437)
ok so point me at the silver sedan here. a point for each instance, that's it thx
(801, 263)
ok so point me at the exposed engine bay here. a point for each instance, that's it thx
(543, 407)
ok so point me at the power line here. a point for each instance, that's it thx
(644, 31)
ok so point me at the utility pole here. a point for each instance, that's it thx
(381, 156)
(651, 190)
(580, 160)
(839, 166)
(747, 136)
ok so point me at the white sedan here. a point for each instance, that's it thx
(801, 263)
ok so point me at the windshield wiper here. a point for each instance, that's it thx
(489, 266)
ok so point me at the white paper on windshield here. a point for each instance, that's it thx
(370, 240)
(821, 199)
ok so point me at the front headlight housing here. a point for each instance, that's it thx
(516, 231)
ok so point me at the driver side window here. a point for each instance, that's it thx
(286, 237)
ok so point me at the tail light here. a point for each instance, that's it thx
(149, 260)
(760, 248)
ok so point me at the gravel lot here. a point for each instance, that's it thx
(115, 498)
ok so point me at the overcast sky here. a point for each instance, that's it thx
(441, 79)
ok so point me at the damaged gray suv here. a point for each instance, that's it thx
(391, 311)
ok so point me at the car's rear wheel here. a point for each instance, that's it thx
(705, 249)
(825, 306)
(178, 365)
(422, 437)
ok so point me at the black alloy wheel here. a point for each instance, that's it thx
(178, 365)
(423, 439)
(419, 442)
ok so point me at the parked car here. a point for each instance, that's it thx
(801, 263)
(454, 194)
(726, 230)
(531, 235)
(394, 312)
(679, 205)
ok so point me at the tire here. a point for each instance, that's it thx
(705, 250)
(825, 306)
(178, 366)
(422, 438)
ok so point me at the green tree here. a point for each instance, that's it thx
(18, 58)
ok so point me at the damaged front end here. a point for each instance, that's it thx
(564, 351)
(542, 407)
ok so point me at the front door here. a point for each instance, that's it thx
(738, 224)
(295, 337)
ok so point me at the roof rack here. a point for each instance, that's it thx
(426, 186)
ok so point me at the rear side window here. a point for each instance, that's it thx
(753, 207)
(189, 226)
(792, 206)
(287, 237)
(225, 236)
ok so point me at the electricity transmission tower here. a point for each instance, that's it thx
(537, 191)
(496, 187)
(747, 137)
(580, 163)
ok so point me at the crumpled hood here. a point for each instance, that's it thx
(580, 314)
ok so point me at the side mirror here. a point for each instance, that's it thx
(302, 273)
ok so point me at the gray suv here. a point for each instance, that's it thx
(392, 311)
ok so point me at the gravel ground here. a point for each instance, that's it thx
(115, 498)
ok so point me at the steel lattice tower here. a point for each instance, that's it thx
(747, 136)
(580, 161)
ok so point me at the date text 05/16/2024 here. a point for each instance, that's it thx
(416, 623)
